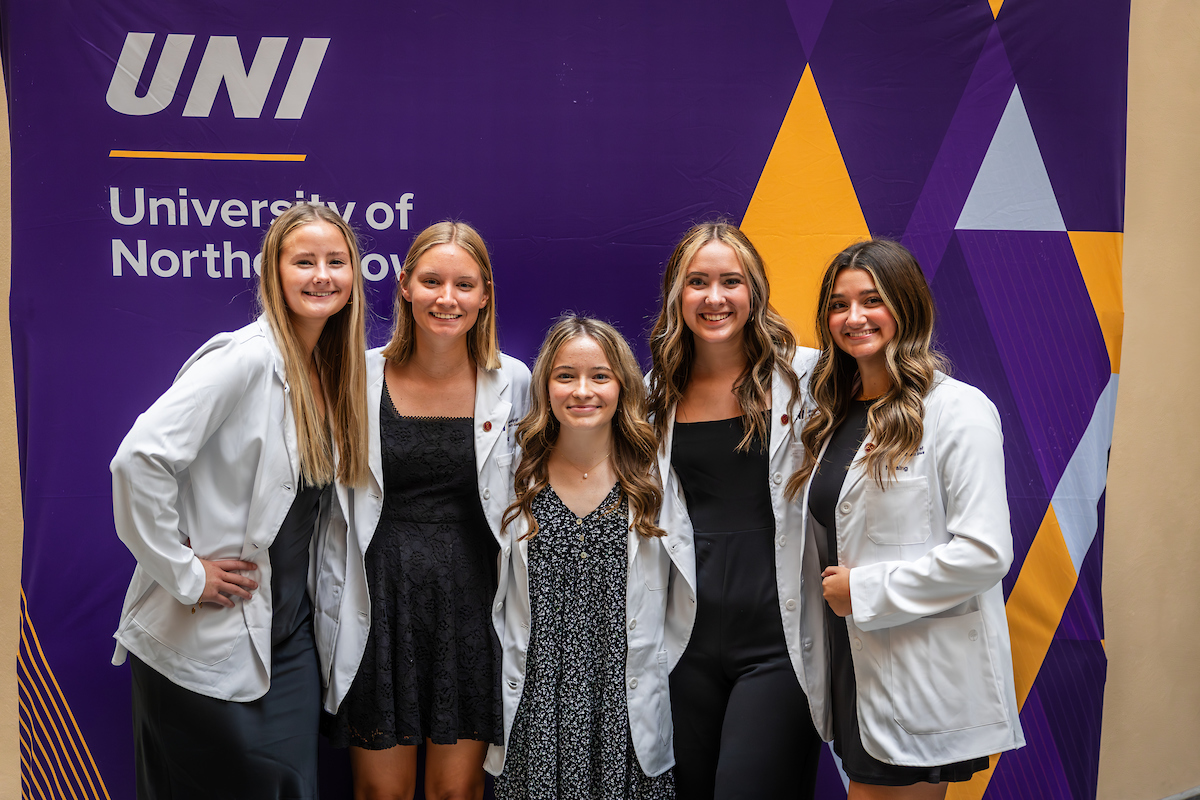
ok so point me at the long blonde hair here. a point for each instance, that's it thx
(633, 442)
(896, 419)
(767, 340)
(339, 355)
(482, 343)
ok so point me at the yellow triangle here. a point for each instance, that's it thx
(1099, 257)
(995, 4)
(804, 210)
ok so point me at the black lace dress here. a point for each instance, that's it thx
(432, 663)
(571, 738)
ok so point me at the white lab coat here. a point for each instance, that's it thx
(214, 461)
(646, 690)
(799, 600)
(501, 399)
(928, 633)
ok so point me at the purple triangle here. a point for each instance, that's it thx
(891, 76)
(1035, 771)
(962, 152)
(1041, 317)
(809, 16)
(964, 336)
(1071, 686)
(1071, 60)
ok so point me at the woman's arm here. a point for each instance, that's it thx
(162, 443)
(970, 479)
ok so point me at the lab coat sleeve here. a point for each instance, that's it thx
(970, 480)
(162, 443)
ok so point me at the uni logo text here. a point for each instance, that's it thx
(221, 63)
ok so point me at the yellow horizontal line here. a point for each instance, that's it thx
(207, 156)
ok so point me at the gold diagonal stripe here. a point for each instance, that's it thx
(77, 740)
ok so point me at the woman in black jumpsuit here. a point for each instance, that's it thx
(725, 391)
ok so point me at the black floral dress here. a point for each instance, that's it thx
(571, 739)
(431, 668)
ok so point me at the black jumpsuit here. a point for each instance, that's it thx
(742, 722)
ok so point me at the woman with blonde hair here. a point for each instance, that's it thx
(231, 472)
(442, 403)
(726, 396)
(586, 712)
(902, 491)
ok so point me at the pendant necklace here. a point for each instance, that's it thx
(589, 469)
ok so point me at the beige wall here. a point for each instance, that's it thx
(1150, 747)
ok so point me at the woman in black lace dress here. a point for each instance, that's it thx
(586, 711)
(441, 397)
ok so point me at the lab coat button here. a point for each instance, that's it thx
(507, 550)
(487, 494)
(499, 606)
(808, 644)
(858, 644)
(633, 683)
(790, 605)
(632, 624)
(973, 635)
(781, 540)
(845, 508)
(778, 478)
(487, 426)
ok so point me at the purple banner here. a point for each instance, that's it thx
(152, 143)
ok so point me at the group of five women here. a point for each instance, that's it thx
(591, 584)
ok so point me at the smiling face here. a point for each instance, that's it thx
(860, 323)
(715, 301)
(584, 391)
(446, 290)
(315, 273)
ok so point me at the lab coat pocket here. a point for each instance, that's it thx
(898, 515)
(943, 678)
(204, 633)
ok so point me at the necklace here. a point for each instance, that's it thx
(589, 469)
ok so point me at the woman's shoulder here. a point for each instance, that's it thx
(953, 401)
(512, 366)
(803, 361)
(516, 372)
(245, 352)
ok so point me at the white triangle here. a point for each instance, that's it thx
(1012, 191)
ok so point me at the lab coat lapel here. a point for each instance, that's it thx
(491, 412)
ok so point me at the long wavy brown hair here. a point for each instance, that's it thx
(767, 340)
(339, 355)
(896, 419)
(633, 441)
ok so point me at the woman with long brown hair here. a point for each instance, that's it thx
(586, 714)
(442, 403)
(231, 472)
(726, 395)
(902, 491)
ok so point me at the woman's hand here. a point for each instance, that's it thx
(221, 581)
(835, 585)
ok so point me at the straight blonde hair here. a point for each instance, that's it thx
(767, 340)
(633, 446)
(482, 343)
(896, 420)
(340, 360)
